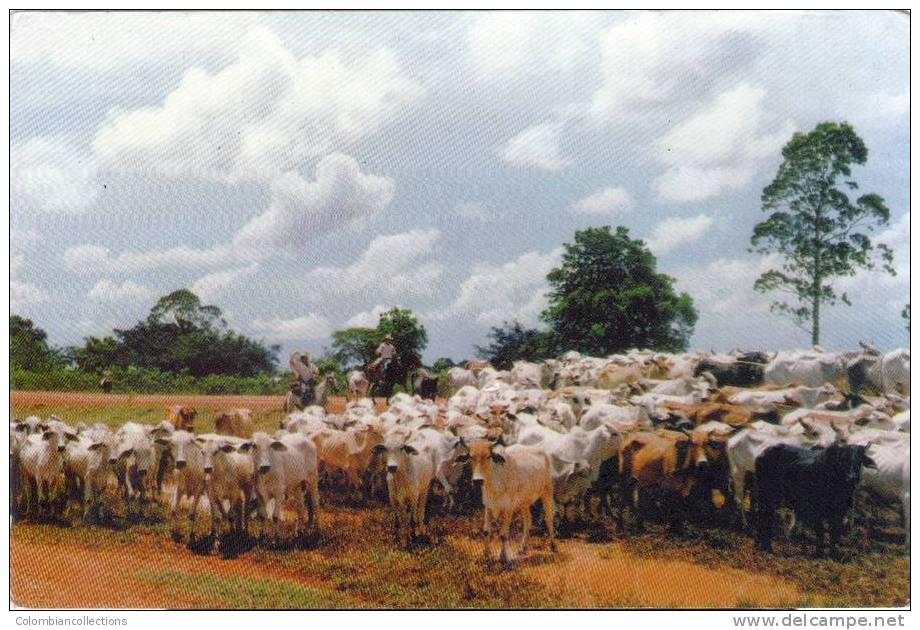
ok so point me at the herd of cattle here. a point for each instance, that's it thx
(670, 436)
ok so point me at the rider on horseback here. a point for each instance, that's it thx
(306, 373)
(386, 352)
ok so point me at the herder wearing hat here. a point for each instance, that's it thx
(386, 352)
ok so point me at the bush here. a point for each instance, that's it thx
(148, 381)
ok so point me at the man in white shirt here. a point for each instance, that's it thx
(386, 352)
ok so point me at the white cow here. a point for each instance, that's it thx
(230, 473)
(187, 454)
(41, 462)
(357, 384)
(136, 460)
(410, 468)
(458, 377)
(812, 369)
(88, 461)
(287, 469)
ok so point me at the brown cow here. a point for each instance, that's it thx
(664, 463)
(183, 418)
(237, 422)
(613, 376)
(477, 366)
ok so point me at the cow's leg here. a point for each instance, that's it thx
(487, 535)
(525, 542)
(193, 513)
(87, 497)
(420, 504)
(548, 515)
(504, 534)
(276, 517)
(301, 508)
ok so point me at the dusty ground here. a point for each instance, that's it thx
(134, 562)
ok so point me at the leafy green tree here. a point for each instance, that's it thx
(606, 297)
(184, 309)
(442, 364)
(820, 233)
(29, 349)
(512, 342)
(905, 314)
(356, 347)
(97, 354)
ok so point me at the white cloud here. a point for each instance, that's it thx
(302, 210)
(725, 286)
(106, 41)
(24, 295)
(649, 58)
(608, 201)
(473, 210)
(367, 319)
(504, 44)
(51, 175)
(719, 147)
(109, 291)
(392, 265)
(538, 146)
(299, 211)
(310, 326)
(513, 290)
(677, 231)
(213, 285)
(260, 116)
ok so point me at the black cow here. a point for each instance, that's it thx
(745, 371)
(425, 384)
(818, 484)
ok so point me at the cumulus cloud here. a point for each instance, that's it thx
(24, 295)
(260, 116)
(367, 319)
(503, 44)
(49, 174)
(606, 202)
(675, 232)
(110, 291)
(538, 146)
(392, 265)
(310, 326)
(649, 59)
(513, 290)
(213, 285)
(725, 286)
(719, 147)
(301, 210)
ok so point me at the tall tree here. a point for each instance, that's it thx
(607, 297)
(355, 347)
(818, 231)
(29, 349)
(905, 314)
(512, 342)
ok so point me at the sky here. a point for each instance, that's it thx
(307, 171)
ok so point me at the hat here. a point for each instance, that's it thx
(388, 337)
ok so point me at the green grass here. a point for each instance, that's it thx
(226, 591)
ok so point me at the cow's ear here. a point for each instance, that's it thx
(163, 441)
(462, 459)
(70, 436)
(200, 441)
(96, 446)
(498, 458)
(245, 447)
(278, 446)
(868, 462)
(22, 426)
(227, 448)
(411, 450)
(377, 450)
(126, 454)
(47, 435)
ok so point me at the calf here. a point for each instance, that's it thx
(41, 462)
(512, 478)
(182, 418)
(664, 462)
(286, 468)
(410, 470)
(135, 458)
(235, 422)
(817, 484)
(88, 460)
(230, 472)
(357, 384)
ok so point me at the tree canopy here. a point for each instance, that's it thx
(512, 342)
(356, 347)
(180, 335)
(29, 349)
(607, 297)
(819, 232)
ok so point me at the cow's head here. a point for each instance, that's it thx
(395, 449)
(262, 447)
(483, 454)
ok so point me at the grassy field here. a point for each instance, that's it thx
(134, 562)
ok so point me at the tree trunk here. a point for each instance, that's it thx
(815, 319)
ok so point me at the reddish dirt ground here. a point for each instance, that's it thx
(52, 575)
